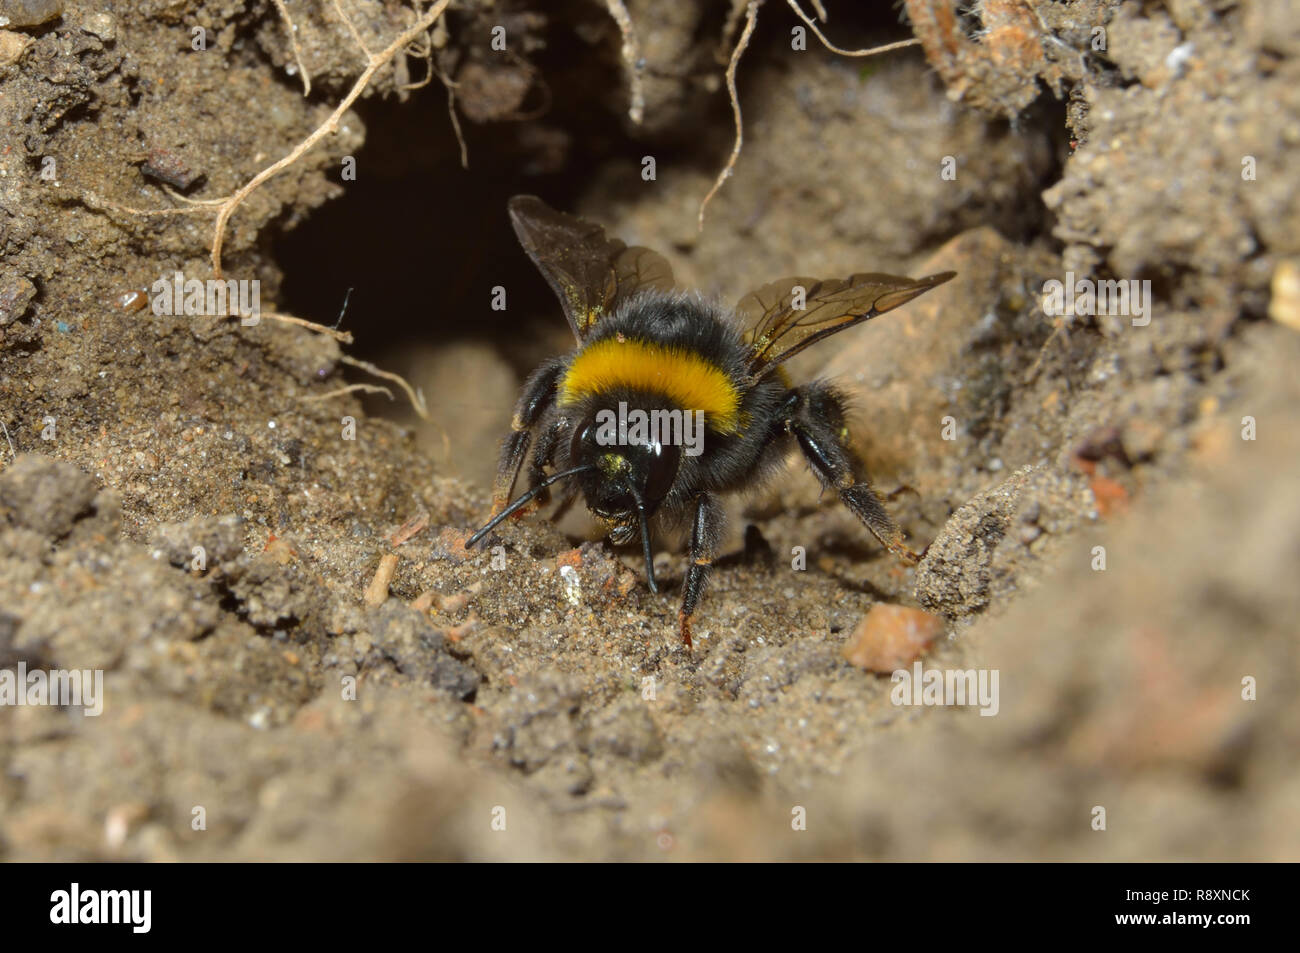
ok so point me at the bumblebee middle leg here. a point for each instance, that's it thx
(548, 441)
(538, 396)
(815, 415)
(707, 527)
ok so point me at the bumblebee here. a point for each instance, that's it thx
(648, 350)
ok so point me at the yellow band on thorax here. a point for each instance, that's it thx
(690, 381)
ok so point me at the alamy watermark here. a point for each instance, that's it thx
(213, 298)
(74, 688)
(683, 428)
(1088, 297)
(946, 687)
(132, 908)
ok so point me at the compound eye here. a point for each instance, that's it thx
(661, 470)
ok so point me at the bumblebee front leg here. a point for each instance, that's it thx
(537, 397)
(816, 417)
(706, 534)
(548, 442)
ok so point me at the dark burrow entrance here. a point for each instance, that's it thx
(416, 243)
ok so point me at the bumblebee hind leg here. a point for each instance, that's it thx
(816, 417)
(537, 398)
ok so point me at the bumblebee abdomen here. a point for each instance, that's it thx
(683, 378)
(672, 346)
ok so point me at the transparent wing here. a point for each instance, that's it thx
(589, 272)
(793, 313)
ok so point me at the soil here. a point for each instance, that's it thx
(1111, 508)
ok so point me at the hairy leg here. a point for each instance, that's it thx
(537, 397)
(548, 440)
(707, 527)
(815, 415)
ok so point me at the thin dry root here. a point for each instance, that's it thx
(416, 397)
(352, 28)
(186, 200)
(751, 18)
(352, 389)
(821, 13)
(631, 57)
(450, 85)
(92, 200)
(723, 53)
(292, 28)
(427, 55)
(343, 337)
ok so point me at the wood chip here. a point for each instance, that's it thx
(377, 591)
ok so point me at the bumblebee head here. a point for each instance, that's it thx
(627, 480)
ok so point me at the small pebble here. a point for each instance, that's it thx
(891, 637)
(29, 12)
(102, 25)
(1284, 306)
(166, 166)
(16, 293)
(572, 584)
(1111, 497)
(12, 47)
(133, 300)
